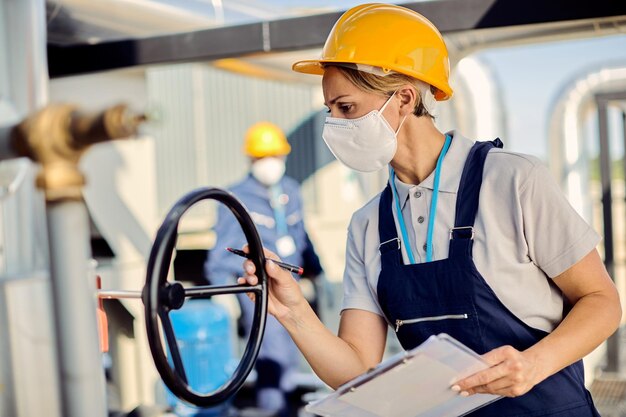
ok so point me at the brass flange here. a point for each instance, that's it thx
(58, 135)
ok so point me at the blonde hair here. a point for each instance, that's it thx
(385, 85)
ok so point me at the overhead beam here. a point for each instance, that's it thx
(309, 32)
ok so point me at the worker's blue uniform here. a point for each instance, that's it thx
(450, 296)
(276, 211)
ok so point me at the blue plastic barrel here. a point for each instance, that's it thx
(202, 330)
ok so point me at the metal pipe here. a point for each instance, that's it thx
(624, 155)
(569, 158)
(25, 390)
(56, 137)
(603, 100)
(478, 106)
(25, 27)
(197, 291)
(612, 344)
(6, 150)
(208, 290)
(82, 374)
(605, 181)
(118, 294)
(50, 140)
(568, 147)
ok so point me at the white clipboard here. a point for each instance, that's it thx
(415, 383)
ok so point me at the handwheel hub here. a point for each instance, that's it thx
(173, 296)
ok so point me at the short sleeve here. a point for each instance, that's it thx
(557, 236)
(357, 293)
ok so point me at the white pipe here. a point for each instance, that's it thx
(74, 293)
(568, 149)
(478, 103)
(80, 373)
(117, 294)
(28, 361)
(25, 29)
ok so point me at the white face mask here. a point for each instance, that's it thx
(364, 144)
(268, 171)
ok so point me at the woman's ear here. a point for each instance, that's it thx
(408, 96)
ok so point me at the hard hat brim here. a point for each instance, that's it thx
(309, 66)
(316, 67)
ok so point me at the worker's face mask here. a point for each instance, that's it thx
(268, 171)
(364, 144)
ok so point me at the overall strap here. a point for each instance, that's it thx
(462, 235)
(386, 227)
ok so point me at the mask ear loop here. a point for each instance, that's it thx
(383, 109)
(401, 123)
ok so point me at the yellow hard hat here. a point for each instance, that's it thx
(265, 139)
(390, 37)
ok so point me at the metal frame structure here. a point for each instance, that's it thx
(311, 31)
(603, 101)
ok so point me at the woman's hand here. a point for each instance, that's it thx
(512, 373)
(595, 315)
(284, 292)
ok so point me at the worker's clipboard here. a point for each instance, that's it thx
(415, 383)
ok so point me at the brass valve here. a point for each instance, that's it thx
(58, 135)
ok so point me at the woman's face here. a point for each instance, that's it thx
(346, 101)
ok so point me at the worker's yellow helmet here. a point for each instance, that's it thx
(389, 37)
(265, 139)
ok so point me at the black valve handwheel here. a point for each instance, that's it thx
(161, 296)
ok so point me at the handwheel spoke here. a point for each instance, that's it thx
(209, 290)
(171, 341)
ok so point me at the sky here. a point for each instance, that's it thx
(533, 76)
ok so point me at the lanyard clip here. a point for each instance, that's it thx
(464, 235)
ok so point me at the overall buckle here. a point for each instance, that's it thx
(384, 247)
(466, 228)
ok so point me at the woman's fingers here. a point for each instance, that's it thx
(270, 267)
(248, 279)
(500, 387)
(512, 374)
(275, 271)
(249, 267)
(284, 291)
(244, 281)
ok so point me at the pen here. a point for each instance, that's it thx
(292, 268)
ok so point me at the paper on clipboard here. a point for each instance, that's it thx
(415, 383)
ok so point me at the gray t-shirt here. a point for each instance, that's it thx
(526, 232)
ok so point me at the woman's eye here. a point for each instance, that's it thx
(345, 108)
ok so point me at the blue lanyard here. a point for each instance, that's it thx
(279, 210)
(433, 207)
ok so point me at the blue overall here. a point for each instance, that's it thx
(450, 296)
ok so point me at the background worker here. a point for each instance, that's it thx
(467, 239)
(274, 203)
